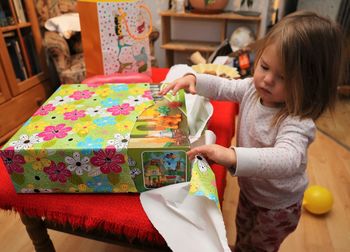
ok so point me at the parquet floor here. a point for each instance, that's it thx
(337, 125)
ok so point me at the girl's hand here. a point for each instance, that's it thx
(188, 83)
(216, 153)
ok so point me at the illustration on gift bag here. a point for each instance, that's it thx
(124, 37)
(115, 36)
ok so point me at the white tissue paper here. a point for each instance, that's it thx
(188, 214)
(187, 223)
(64, 24)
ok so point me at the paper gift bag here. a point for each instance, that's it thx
(115, 36)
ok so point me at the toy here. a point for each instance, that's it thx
(218, 70)
(317, 199)
(241, 37)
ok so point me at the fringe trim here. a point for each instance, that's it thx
(88, 224)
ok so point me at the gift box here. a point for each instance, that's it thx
(99, 138)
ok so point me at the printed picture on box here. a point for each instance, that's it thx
(163, 168)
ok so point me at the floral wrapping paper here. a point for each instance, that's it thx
(203, 181)
(77, 141)
(106, 138)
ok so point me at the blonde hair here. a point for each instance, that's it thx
(310, 47)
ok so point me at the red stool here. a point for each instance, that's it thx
(114, 218)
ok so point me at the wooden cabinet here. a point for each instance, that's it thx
(24, 83)
(172, 44)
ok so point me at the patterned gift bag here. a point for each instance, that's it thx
(115, 36)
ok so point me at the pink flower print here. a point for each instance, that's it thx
(123, 109)
(148, 94)
(74, 115)
(12, 161)
(58, 172)
(58, 131)
(78, 95)
(108, 160)
(44, 110)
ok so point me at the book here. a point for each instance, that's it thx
(15, 62)
(16, 58)
(19, 11)
(20, 58)
(8, 34)
(32, 53)
(3, 19)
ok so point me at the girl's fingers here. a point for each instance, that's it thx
(176, 89)
(167, 89)
(192, 90)
(196, 151)
(191, 154)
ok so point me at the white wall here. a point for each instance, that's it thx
(328, 8)
(187, 30)
(156, 6)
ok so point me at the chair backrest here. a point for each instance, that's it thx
(52, 8)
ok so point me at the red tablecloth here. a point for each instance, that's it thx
(114, 213)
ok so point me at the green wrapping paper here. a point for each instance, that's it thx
(100, 138)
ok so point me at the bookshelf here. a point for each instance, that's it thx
(171, 45)
(24, 84)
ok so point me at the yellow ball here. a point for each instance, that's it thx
(317, 199)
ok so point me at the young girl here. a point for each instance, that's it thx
(297, 70)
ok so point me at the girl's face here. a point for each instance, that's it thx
(269, 78)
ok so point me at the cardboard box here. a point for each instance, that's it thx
(99, 139)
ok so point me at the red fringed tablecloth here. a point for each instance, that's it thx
(120, 214)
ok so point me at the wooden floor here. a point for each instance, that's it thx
(329, 165)
(337, 124)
